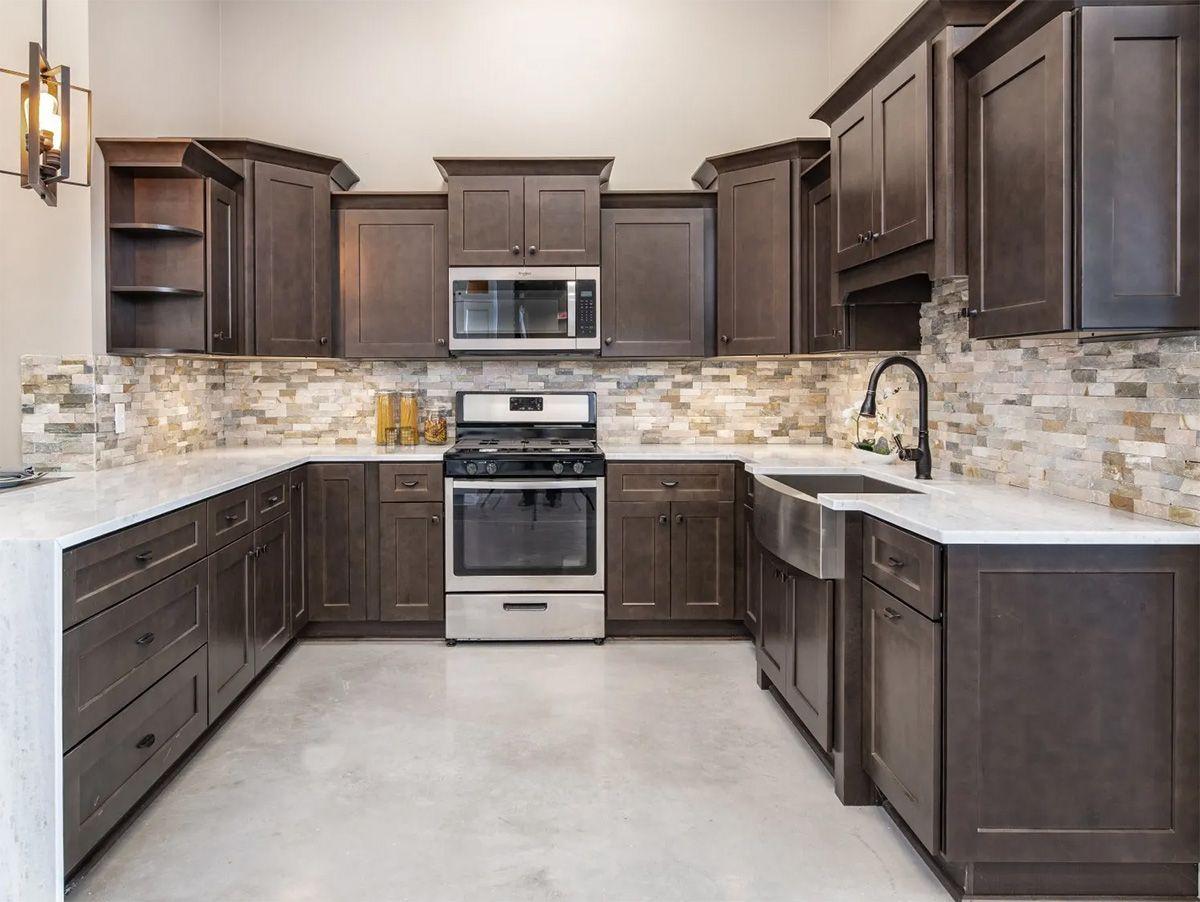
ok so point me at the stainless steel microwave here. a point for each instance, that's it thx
(534, 309)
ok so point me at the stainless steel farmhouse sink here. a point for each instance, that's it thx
(791, 524)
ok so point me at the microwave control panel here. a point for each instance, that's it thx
(585, 309)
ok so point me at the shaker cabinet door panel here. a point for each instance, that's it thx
(293, 312)
(224, 264)
(853, 177)
(774, 620)
(411, 568)
(809, 685)
(902, 157)
(272, 591)
(638, 553)
(820, 294)
(487, 220)
(656, 283)
(1139, 102)
(562, 220)
(337, 556)
(1019, 173)
(394, 283)
(230, 623)
(702, 560)
(754, 282)
(298, 480)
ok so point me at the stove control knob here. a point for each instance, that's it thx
(472, 469)
(557, 468)
(577, 466)
(490, 467)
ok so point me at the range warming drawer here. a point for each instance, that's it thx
(516, 616)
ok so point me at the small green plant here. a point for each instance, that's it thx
(876, 436)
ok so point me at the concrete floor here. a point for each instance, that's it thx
(410, 771)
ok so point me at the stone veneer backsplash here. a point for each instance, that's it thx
(1113, 422)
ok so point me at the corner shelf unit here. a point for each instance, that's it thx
(173, 240)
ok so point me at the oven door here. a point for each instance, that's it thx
(534, 535)
(512, 309)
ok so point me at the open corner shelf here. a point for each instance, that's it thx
(156, 291)
(155, 230)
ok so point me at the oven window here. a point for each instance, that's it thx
(487, 308)
(525, 532)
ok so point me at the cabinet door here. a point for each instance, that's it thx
(754, 268)
(702, 560)
(1139, 100)
(298, 479)
(656, 286)
(337, 551)
(809, 685)
(272, 590)
(638, 554)
(223, 288)
(1019, 205)
(394, 285)
(852, 169)
(820, 295)
(487, 220)
(293, 310)
(230, 619)
(902, 156)
(775, 620)
(752, 576)
(562, 220)
(902, 710)
(411, 562)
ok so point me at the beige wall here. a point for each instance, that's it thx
(856, 27)
(44, 251)
(659, 84)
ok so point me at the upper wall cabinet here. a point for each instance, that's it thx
(758, 244)
(173, 241)
(533, 212)
(897, 182)
(657, 274)
(1084, 151)
(393, 285)
(288, 248)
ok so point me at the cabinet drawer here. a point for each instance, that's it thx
(230, 516)
(118, 654)
(272, 498)
(906, 565)
(113, 768)
(110, 569)
(670, 482)
(410, 482)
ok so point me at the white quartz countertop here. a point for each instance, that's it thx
(951, 510)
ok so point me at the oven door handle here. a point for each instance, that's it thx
(525, 484)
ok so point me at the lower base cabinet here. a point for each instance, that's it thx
(230, 623)
(411, 562)
(902, 710)
(298, 484)
(272, 558)
(110, 771)
(337, 543)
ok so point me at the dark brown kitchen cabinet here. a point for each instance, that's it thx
(902, 710)
(823, 309)
(394, 284)
(487, 220)
(411, 562)
(1084, 182)
(223, 253)
(775, 619)
(752, 566)
(230, 623)
(562, 220)
(293, 311)
(702, 560)
(882, 166)
(657, 276)
(638, 556)
(298, 517)
(336, 536)
(272, 590)
(754, 249)
(808, 683)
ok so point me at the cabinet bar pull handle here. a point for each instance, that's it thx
(670, 483)
(525, 605)
(891, 614)
(272, 499)
(144, 639)
(895, 562)
(232, 518)
(144, 556)
(409, 483)
(146, 741)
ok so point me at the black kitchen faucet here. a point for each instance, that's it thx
(919, 454)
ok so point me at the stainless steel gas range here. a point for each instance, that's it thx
(525, 518)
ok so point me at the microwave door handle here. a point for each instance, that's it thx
(570, 308)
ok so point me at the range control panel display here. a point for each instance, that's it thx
(526, 403)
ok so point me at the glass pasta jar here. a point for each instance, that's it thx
(435, 425)
(385, 415)
(407, 417)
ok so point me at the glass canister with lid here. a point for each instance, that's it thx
(435, 423)
(408, 417)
